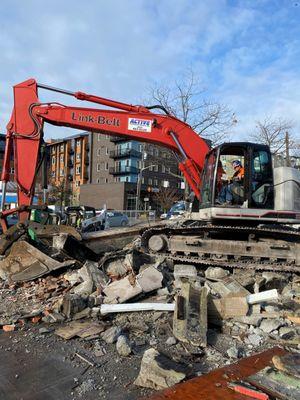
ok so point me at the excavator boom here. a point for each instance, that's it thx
(25, 133)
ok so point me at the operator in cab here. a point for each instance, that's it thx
(239, 171)
(232, 190)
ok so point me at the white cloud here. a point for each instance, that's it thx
(118, 48)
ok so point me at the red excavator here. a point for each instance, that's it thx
(251, 229)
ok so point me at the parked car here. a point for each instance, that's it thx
(177, 209)
(116, 218)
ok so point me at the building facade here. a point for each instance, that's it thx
(83, 161)
(70, 163)
(116, 160)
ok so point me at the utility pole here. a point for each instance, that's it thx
(287, 150)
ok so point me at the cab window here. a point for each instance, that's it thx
(262, 179)
(208, 180)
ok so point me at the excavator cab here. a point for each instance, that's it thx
(238, 175)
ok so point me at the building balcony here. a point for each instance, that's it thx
(123, 170)
(125, 153)
(116, 139)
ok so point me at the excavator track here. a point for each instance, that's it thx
(259, 248)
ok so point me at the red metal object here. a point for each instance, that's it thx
(214, 386)
(254, 394)
(25, 131)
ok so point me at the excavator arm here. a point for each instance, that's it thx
(25, 135)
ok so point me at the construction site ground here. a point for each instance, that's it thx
(64, 333)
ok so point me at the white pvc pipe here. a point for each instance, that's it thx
(261, 297)
(133, 307)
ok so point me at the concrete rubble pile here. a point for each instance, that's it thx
(178, 320)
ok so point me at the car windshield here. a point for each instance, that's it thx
(178, 207)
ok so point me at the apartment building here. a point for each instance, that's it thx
(117, 163)
(70, 163)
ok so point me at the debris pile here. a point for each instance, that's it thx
(177, 320)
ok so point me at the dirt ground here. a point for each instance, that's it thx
(43, 366)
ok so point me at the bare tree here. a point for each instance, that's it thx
(166, 197)
(60, 194)
(273, 132)
(186, 100)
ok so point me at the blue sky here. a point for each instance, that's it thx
(246, 54)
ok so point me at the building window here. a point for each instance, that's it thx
(98, 167)
(143, 180)
(106, 180)
(78, 156)
(163, 169)
(155, 182)
(151, 168)
(78, 143)
(106, 151)
(157, 152)
(53, 160)
(78, 170)
(149, 181)
(106, 166)
(141, 147)
(77, 183)
(98, 152)
(106, 136)
(12, 170)
(99, 137)
(61, 147)
(62, 172)
(156, 168)
(62, 158)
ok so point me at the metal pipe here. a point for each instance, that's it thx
(54, 89)
(180, 148)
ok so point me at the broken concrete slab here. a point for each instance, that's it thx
(270, 325)
(122, 290)
(216, 273)
(228, 286)
(185, 271)
(158, 372)
(25, 262)
(254, 319)
(234, 306)
(190, 316)
(91, 278)
(111, 334)
(150, 279)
